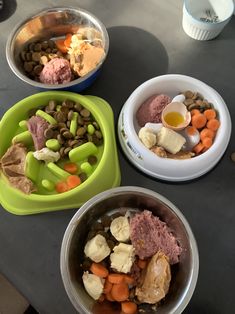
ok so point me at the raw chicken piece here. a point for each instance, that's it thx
(13, 166)
(155, 280)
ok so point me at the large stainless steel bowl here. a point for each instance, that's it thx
(184, 274)
(52, 23)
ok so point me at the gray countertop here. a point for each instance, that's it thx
(146, 40)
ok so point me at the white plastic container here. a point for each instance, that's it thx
(165, 168)
(198, 16)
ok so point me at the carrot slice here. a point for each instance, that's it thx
(115, 278)
(71, 167)
(128, 279)
(120, 292)
(142, 263)
(207, 133)
(207, 142)
(194, 112)
(129, 307)
(198, 148)
(60, 45)
(109, 297)
(213, 124)
(61, 187)
(210, 114)
(199, 121)
(107, 287)
(99, 270)
(68, 40)
(73, 181)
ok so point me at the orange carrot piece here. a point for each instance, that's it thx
(128, 279)
(99, 270)
(115, 278)
(129, 307)
(207, 133)
(198, 148)
(198, 120)
(68, 40)
(142, 263)
(109, 297)
(207, 142)
(194, 112)
(71, 167)
(213, 124)
(73, 181)
(210, 114)
(120, 292)
(60, 45)
(107, 286)
(191, 130)
(61, 187)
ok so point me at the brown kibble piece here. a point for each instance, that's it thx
(78, 107)
(37, 47)
(233, 156)
(81, 131)
(85, 113)
(83, 176)
(49, 133)
(37, 69)
(36, 56)
(188, 94)
(28, 66)
(67, 134)
(70, 115)
(92, 160)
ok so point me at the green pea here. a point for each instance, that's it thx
(90, 129)
(86, 167)
(23, 125)
(46, 116)
(83, 151)
(48, 185)
(53, 144)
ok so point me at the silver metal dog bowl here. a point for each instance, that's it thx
(184, 274)
(53, 23)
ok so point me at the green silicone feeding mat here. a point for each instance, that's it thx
(106, 172)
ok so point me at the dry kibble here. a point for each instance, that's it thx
(233, 156)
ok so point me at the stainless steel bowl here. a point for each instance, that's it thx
(184, 275)
(52, 23)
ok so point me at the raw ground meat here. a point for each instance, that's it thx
(151, 109)
(149, 234)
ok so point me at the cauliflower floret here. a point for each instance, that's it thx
(147, 137)
(46, 155)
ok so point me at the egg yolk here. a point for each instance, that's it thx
(174, 118)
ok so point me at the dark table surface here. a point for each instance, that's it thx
(146, 40)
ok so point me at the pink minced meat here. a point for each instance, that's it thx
(56, 71)
(149, 234)
(37, 126)
(151, 109)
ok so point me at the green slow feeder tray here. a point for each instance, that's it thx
(105, 176)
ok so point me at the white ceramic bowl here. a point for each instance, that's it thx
(170, 169)
(203, 30)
